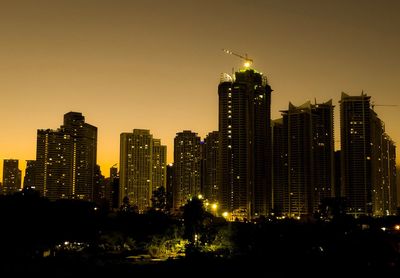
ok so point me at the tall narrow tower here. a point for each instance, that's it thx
(187, 167)
(245, 144)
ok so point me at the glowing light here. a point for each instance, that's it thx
(214, 206)
(200, 196)
(383, 228)
(397, 227)
(246, 64)
(225, 214)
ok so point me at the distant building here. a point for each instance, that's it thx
(210, 167)
(99, 187)
(30, 174)
(159, 171)
(338, 175)
(170, 186)
(66, 159)
(187, 167)
(245, 144)
(142, 167)
(280, 172)
(11, 176)
(114, 188)
(367, 159)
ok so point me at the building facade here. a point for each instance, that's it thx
(142, 168)
(210, 166)
(303, 158)
(11, 176)
(30, 174)
(367, 159)
(66, 159)
(187, 168)
(245, 144)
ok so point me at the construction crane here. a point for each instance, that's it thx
(373, 105)
(247, 61)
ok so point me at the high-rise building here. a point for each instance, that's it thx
(114, 188)
(245, 144)
(159, 171)
(280, 172)
(323, 152)
(66, 159)
(303, 148)
(170, 186)
(383, 161)
(30, 174)
(210, 166)
(187, 167)
(368, 159)
(11, 176)
(136, 168)
(142, 167)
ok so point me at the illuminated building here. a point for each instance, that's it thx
(210, 166)
(159, 171)
(368, 159)
(245, 144)
(142, 167)
(30, 174)
(303, 158)
(187, 167)
(11, 176)
(66, 159)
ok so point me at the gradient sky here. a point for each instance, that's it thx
(156, 64)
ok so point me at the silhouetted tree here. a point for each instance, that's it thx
(193, 216)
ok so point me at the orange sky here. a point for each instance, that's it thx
(156, 64)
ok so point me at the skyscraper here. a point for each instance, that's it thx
(142, 167)
(66, 159)
(368, 159)
(355, 127)
(245, 144)
(280, 172)
(11, 176)
(159, 171)
(303, 148)
(30, 173)
(187, 167)
(210, 167)
(136, 150)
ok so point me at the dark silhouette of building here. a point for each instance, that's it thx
(11, 176)
(187, 167)
(338, 175)
(368, 159)
(170, 186)
(114, 188)
(245, 144)
(99, 187)
(279, 167)
(66, 159)
(30, 174)
(210, 165)
(303, 158)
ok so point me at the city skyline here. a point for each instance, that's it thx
(109, 61)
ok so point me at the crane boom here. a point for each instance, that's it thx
(247, 61)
